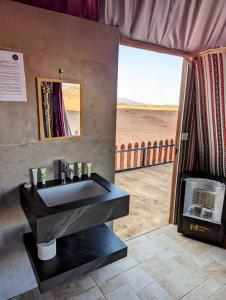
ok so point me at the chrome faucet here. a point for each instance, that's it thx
(65, 170)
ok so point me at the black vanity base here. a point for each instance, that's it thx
(77, 254)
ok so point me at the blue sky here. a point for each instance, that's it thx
(149, 77)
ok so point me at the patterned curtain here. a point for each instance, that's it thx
(187, 155)
(189, 125)
(211, 107)
(203, 93)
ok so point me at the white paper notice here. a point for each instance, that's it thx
(12, 77)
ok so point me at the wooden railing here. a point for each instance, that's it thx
(134, 157)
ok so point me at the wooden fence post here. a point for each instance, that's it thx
(116, 156)
(136, 145)
(148, 153)
(171, 150)
(160, 152)
(142, 155)
(154, 152)
(122, 154)
(129, 156)
(165, 151)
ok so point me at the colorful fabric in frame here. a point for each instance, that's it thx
(55, 122)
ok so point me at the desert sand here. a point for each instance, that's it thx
(137, 125)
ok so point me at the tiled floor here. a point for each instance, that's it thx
(162, 265)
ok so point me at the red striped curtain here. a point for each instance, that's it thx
(210, 112)
(189, 124)
(186, 156)
(203, 93)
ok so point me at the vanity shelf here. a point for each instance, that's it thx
(96, 206)
(74, 214)
(77, 254)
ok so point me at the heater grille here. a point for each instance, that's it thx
(204, 199)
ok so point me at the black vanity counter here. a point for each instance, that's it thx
(77, 254)
(64, 219)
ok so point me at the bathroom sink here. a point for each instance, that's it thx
(58, 195)
(57, 210)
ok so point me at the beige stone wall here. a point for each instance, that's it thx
(86, 51)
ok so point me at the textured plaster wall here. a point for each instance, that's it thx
(86, 51)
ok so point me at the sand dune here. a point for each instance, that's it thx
(137, 125)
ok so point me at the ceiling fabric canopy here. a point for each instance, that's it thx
(88, 9)
(188, 26)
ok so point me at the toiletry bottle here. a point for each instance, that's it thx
(71, 166)
(89, 169)
(79, 170)
(34, 176)
(43, 175)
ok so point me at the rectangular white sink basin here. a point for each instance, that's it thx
(66, 193)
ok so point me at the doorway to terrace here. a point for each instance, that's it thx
(148, 99)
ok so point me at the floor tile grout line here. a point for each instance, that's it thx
(223, 286)
(125, 284)
(154, 282)
(165, 225)
(158, 253)
(202, 282)
(101, 292)
(137, 290)
(166, 274)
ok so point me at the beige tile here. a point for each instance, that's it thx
(162, 239)
(45, 296)
(122, 293)
(196, 247)
(189, 261)
(208, 270)
(112, 284)
(137, 278)
(204, 290)
(209, 287)
(219, 295)
(145, 250)
(35, 294)
(181, 281)
(158, 268)
(168, 238)
(214, 254)
(221, 276)
(171, 253)
(27, 296)
(125, 264)
(153, 291)
(136, 241)
(103, 274)
(92, 294)
(74, 288)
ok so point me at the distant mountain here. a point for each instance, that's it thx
(128, 101)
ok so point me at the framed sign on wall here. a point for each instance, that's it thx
(12, 77)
